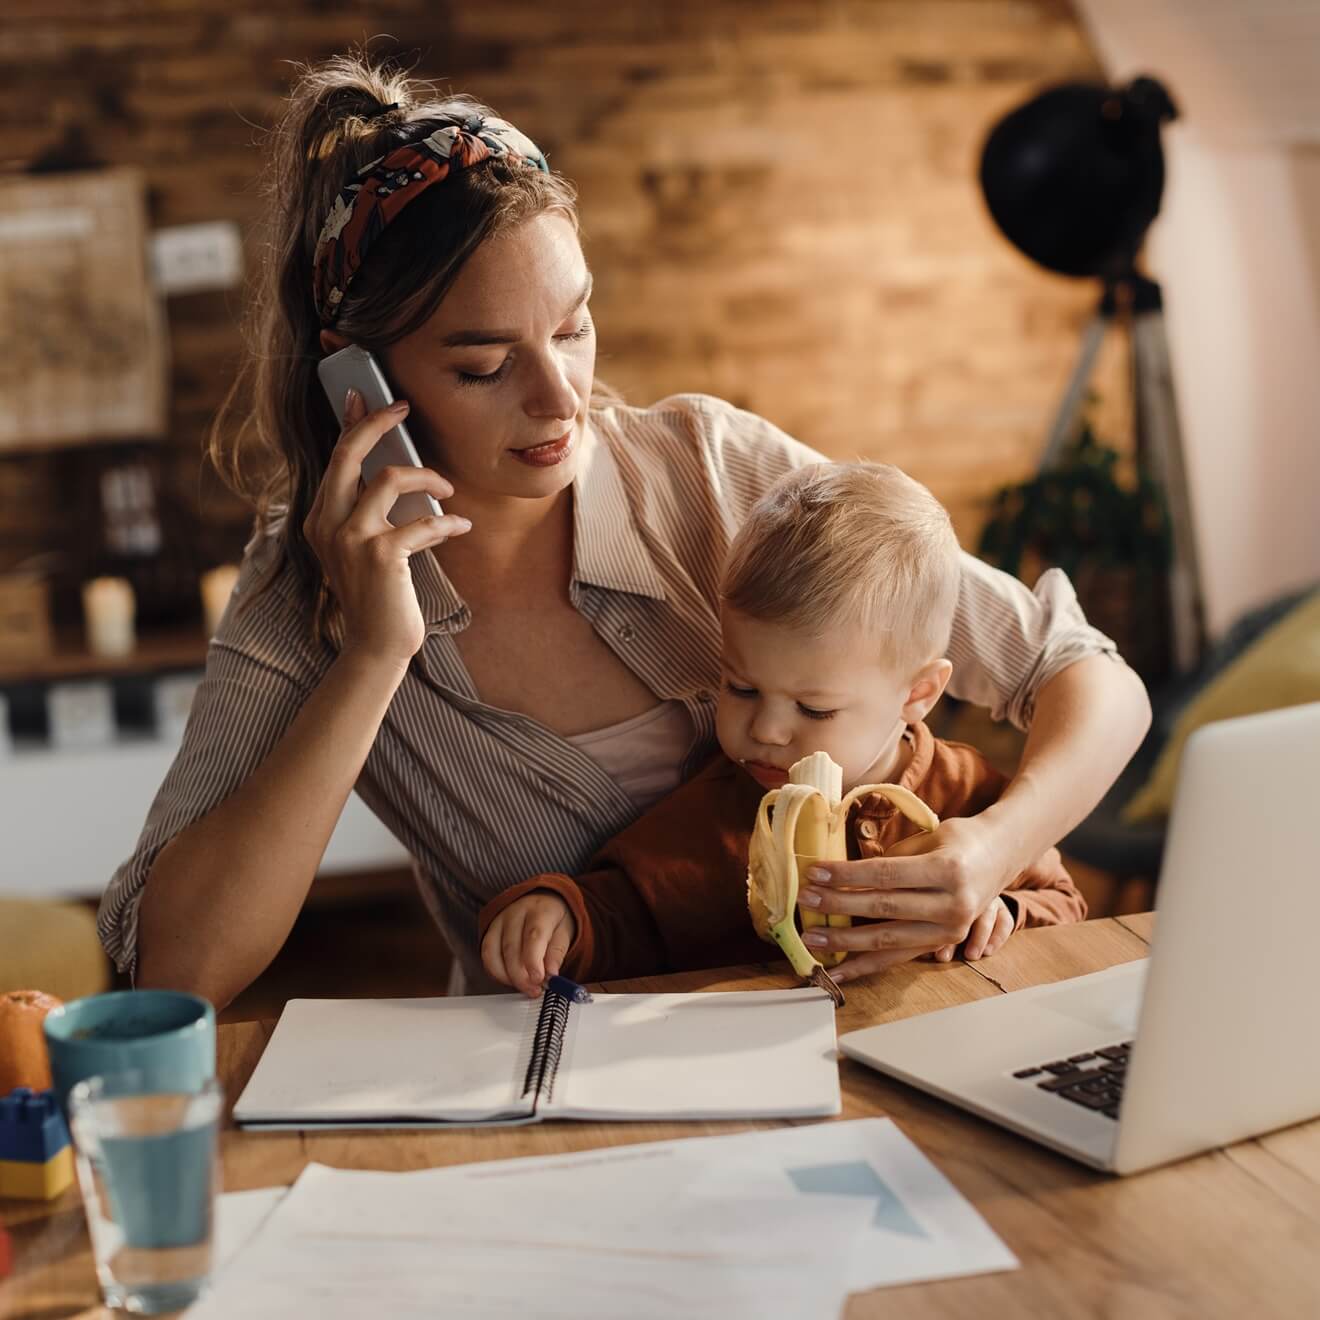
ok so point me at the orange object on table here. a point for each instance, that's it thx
(23, 1057)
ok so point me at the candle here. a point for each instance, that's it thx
(108, 615)
(217, 587)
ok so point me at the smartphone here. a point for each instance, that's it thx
(355, 368)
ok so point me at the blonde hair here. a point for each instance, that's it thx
(841, 544)
(274, 434)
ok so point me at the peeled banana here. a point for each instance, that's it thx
(804, 822)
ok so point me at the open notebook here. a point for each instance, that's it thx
(507, 1059)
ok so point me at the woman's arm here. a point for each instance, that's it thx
(222, 895)
(251, 802)
(1089, 719)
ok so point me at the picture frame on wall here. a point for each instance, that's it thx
(87, 355)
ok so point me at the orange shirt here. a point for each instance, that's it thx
(669, 893)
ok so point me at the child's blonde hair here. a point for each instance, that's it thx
(850, 543)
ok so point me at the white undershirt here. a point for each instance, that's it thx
(643, 755)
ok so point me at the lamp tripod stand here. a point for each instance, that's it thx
(1138, 300)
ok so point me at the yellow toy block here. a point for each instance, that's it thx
(37, 1182)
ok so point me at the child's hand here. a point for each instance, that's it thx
(987, 935)
(527, 942)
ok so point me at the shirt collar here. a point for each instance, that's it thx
(608, 548)
(443, 609)
(876, 806)
(922, 759)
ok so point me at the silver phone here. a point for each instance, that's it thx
(355, 368)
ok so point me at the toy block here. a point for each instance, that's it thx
(6, 1255)
(31, 1126)
(36, 1161)
(36, 1182)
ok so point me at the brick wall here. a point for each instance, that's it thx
(778, 198)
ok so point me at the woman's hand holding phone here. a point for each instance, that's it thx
(363, 555)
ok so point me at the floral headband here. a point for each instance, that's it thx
(380, 190)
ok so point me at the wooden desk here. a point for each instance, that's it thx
(1233, 1233)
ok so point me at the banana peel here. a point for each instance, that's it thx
(804, 822)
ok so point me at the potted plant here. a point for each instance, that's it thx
(1112, 539)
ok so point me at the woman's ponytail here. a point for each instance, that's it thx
(272, 438)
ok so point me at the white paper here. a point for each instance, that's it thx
(377, 1059)
(686, 1056)
(703, 1226)
(238, 1216)
(919, 1227)
(349, 1243)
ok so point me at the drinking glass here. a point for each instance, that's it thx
(147, 1166)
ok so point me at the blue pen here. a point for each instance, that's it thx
(570, 990)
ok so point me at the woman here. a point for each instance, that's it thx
(506, 699)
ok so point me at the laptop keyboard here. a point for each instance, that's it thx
(1094, 1079)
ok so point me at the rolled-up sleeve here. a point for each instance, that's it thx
(240, 711)
(1008, 642)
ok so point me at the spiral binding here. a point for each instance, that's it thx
(547, 1045)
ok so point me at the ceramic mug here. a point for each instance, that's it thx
(166, 1036)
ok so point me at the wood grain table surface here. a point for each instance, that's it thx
(1233, 1233)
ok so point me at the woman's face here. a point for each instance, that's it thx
(499, 379)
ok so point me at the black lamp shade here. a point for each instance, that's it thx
(1074, 176)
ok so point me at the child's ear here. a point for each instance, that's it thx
(928, 685)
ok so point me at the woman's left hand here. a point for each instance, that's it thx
(926, 893)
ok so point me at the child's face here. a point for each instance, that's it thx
(785, 694)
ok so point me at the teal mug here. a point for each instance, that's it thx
(165, 1036)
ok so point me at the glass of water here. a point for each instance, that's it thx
(147, 1166)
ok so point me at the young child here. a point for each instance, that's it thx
(837, 600)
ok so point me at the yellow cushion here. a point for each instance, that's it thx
(1281, 668)
(51, 947)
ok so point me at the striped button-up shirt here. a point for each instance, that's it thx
(482, 798)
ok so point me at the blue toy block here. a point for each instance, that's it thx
(36, 1160)
(32, 1128)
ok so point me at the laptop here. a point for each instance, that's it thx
(1209, 1040)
